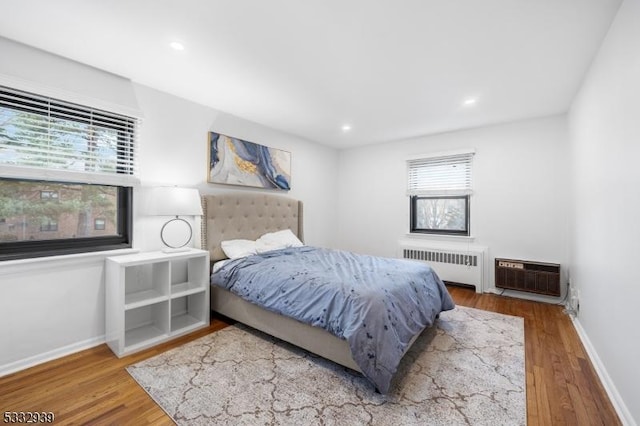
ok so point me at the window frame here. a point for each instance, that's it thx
(41, 248)
(413, 202)
(429, 177)
(126, 128)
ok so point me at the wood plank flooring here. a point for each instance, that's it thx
(92, 386)
(562, 386)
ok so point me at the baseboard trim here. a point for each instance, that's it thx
(601, 371)
(32, 361)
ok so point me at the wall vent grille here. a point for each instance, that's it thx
(463, 266)
(441, 257)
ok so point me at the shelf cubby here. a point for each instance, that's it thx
(187, 276)
(146, 323)
(188, 311)
(145, 284)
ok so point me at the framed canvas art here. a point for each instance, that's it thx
(234, 161)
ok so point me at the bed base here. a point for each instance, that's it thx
(312, 339)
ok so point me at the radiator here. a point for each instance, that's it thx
(457, 266)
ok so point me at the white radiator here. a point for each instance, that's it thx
(451, 264)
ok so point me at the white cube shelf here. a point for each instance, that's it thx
(153, 297)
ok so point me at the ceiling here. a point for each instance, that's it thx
(390, 69)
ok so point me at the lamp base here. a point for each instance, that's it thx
(176, 234)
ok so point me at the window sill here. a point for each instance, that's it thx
(41, 263)
(436, 237)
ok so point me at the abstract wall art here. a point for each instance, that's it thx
(234, 161)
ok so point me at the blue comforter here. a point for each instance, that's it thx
(377, 304)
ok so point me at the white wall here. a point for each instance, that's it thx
(174, 151)
(50, 307)
(519, 206)
(605, 148)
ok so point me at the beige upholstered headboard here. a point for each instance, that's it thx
(247, 216)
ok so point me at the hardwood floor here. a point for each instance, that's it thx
(92, 387)
(562, 386)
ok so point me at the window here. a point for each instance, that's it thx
(49, 225)
(62, 165)
(48, 195)
(99, 224)
(439, 194)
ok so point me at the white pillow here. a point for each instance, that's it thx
(235, 249)
(277, 240)
(219, 264)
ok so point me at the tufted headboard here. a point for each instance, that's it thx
(247, 216)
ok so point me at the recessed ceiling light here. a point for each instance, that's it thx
(176, 45)
(346, 127)
(469, 101)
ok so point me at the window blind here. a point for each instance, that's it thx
(49, 139)
(445, 175)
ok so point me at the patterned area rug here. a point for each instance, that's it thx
(467, 370)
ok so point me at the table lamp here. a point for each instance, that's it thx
(174, 201)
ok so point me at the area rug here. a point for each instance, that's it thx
(466, 370)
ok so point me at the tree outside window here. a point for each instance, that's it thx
(448, 215)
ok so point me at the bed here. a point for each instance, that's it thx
(248, 216)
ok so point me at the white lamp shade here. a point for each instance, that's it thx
(172, 201)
